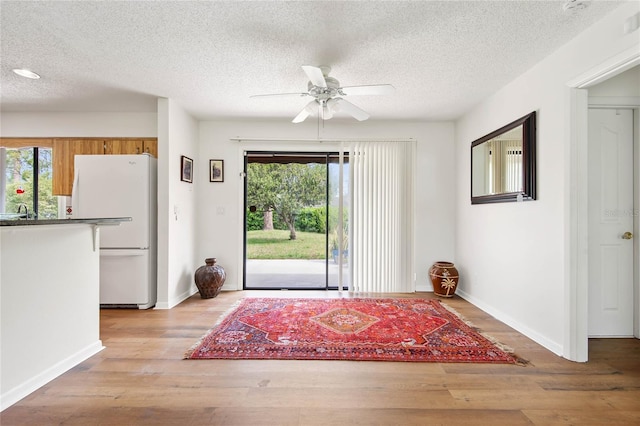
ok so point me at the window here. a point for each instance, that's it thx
(25, 182)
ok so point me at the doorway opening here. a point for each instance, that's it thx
(577, 283)
(612, 124)
(295, 220)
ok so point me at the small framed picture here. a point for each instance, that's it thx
(186, 169)
(216, 170)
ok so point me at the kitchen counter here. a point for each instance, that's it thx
(49, 300)
(101, 221)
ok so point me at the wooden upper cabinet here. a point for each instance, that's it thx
(64, 151)
(131, 146)
(123, 146)
(150, 146)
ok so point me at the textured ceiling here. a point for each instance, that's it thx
(210, 56)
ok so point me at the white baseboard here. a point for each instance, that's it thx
(424, 287)
(177, 300)
(519, 327)
(14, 395)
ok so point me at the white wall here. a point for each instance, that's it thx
(514, 256)
(220, 216)
(78, 124)
(177, 227)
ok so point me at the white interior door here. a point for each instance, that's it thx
(611, 215)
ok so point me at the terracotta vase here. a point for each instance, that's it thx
(209, 278)
(444, 277)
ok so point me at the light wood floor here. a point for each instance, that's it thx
(141, 378)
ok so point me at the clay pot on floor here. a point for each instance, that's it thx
(444, 277)
(209, 278)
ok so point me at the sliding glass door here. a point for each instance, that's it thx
(292, 223)
(338, 221)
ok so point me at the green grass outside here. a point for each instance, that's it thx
(277, 245)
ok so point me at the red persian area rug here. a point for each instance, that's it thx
(348, 329)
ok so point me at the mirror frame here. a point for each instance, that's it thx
(528, 123)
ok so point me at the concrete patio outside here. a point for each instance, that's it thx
(293, 274)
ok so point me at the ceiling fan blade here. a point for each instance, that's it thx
(342, 105)
(279, 94)
(316, 77)
(301, 116)
(369, 89)
(306, 112)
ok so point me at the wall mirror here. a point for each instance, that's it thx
(503, 163)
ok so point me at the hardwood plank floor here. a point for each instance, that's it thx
(141, 378)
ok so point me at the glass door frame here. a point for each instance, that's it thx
(327, 155)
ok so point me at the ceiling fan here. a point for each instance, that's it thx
(328, 95)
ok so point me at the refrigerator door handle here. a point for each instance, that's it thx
(122, 252)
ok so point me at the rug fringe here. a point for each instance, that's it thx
(189, 352)
(493, 340)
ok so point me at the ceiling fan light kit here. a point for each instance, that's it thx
(328, 95)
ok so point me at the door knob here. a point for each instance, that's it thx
(627, 235)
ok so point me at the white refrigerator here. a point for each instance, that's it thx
(121, 186)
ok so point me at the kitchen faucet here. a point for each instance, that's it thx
(26, 210)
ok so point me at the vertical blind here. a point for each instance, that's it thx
(513, 178)
(381, 216)
(505, 166)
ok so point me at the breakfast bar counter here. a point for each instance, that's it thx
(49, 300)
(41, 222)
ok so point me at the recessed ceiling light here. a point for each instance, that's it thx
(26, 73)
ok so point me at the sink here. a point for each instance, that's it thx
(9, 216)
